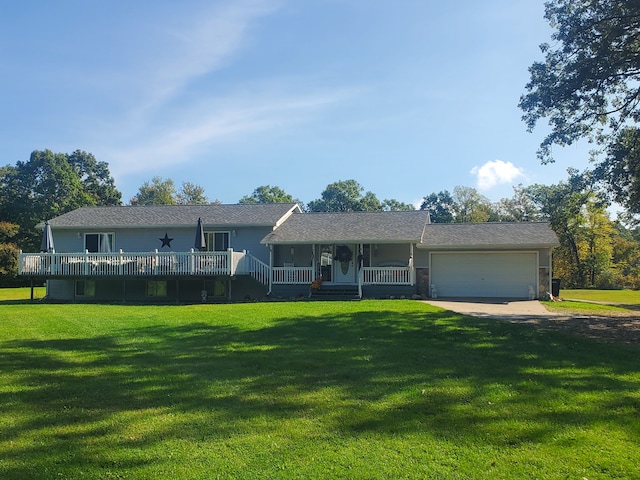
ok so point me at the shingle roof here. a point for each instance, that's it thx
(361, 227)
(364, 227)
(488, 235)
(174, 216)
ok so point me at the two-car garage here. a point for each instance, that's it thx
(488, 260)
(484, 274)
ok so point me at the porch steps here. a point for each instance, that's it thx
(336, 292)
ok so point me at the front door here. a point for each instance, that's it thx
(344, 262)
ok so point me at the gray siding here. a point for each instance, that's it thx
(249, 239)
(148, 240)
(420, 258)
(386, 254)
(60, 290)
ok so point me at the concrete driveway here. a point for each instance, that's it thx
(496, 308)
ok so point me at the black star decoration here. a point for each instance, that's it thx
(166, 241)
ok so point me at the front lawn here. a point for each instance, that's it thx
(370, 389)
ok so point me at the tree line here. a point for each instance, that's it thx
(595, 251)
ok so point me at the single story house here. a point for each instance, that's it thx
(191, 253)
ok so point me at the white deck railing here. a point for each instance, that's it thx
(187, 263)
(386, 276)
(246, 264)
(126, 264)
(293, 275)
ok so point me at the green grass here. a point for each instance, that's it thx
(371, 389)
(21, 294)
(583, 307)
(621, 297)
(596, 302)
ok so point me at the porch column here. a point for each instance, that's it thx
(412, 270)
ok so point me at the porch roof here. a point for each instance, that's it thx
(489, 235)
(175, 216)
(345, 227)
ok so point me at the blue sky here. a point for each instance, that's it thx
(408, 97)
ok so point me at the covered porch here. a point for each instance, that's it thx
(342, 264)
(372, 250)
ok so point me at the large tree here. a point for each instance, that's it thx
(48, 185)
(574, 211)
(620, 169)
(469, 205)
(156, 192)
(440, 206)
(519, 208)
(345, 196)
(95, 177)
(267, 194)
(8, 253)
(393, 205)
(589, 83)
(192, 194)
(625, 257)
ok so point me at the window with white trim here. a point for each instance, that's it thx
(98, 242)
(217, 241)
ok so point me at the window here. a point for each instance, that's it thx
(366, 255)
(326, 255)
(156, 288)
(216, 288)
(85, 288)
(98, 242)
(217, 241)
(326, 260)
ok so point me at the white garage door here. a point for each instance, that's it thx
(506, 275)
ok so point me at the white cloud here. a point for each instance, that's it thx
(496, 172)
